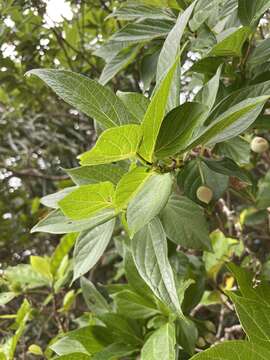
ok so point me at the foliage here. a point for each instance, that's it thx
(174, 254)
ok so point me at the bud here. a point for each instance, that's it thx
(204, 194)
(259, 145)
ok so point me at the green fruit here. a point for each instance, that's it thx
(204, 194)
(259, 145)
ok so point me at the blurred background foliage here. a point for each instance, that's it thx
(38, 133)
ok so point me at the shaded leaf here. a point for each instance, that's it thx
(184, 223)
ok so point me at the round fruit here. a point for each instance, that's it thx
(204, 194)
(259, 145)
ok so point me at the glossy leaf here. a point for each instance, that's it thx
(177, 128)
(146, 204)
(154, 115)
(114, 145)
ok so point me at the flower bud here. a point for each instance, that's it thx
(259, 145)
(204, 194)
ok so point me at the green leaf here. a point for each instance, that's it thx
(184, 223)
(87, 200)
(129, 186)
(148, 68)
(202, 12)
(177, 128)
(133, 305)
(74, 356)
(90, 246)
(133, 11)
(145, 30)
(22, 318)
(260, 293)
(115, 351)
(260, 54)
(234, 350)
(237, 149)
(228, 167)
(136, 103)
(135, 281)
(86, 340)
(223, 248)
(42, 266)
(238, 96)
(249, 12)
(149, 249)
(169, 54)
(190, 178)
(231, 43)
(208, 94)
(155, 113)
(53, 199)
(118, 63)
(146, 204)
(123, 329)
(160, 345)
(231, 123)
(57, 223)
(93, 174)
(87, 96)
(187, 335)
(24, 275)
(62, 249)
(95, 302)
(114, 144)
(255, 319)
